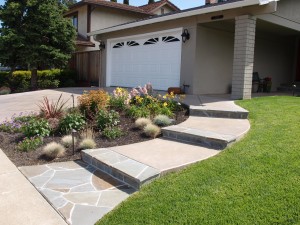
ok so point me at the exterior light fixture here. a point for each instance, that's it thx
(185, 35)
(102, 45)
(73, 140)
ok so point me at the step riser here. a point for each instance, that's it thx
(218, 114)
(115, 173)
(110, 171)
(194, 139)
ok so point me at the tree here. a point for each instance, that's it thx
(151, 1)
(126, 2)
(113, 0)
(68, 3)
(44, 38)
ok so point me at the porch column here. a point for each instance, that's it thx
(243, 60)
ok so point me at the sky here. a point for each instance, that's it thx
(182, 4)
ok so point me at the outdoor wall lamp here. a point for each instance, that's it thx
(102, 45)
(185, 35)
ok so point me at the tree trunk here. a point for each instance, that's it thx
(33, 81)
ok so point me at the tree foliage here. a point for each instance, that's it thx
(151, 1)
(35, 34)
(126, 2)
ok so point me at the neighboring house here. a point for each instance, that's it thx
(91, 15)
(228, 41)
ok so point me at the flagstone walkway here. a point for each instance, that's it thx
(79, 192)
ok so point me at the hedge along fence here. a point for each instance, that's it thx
(20, 80)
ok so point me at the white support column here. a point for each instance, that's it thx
(244, 43)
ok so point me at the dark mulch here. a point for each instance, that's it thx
(8, 143)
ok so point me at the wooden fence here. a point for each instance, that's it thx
(87, 66)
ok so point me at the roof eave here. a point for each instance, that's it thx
(183, 14)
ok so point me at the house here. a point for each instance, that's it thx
(222, 44)
(91, 15)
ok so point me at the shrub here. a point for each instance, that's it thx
(5, 90)
(136, 112)
(71, 121)
(53, 150)
(87, 143)
(20, 81)
(120, 99)
(107, 119)
(152, 130)
(67, 141)
(162, 120)
(112, 132)
(10, 126)
(87, 133)
(52, 109)
(142, 122)
(164, 111)
(93, 101)
(69, 83)
(45, 84)
(30, 144)
(36, 127)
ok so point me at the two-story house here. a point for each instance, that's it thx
(91, 15)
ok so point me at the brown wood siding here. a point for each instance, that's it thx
(87, 66)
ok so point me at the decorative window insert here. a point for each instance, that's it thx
(119, 45)
(151, 41)
(132, 43)
(170, 39)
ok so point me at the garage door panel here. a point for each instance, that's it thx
(158, 63)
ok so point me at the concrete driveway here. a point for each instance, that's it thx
(27, 101)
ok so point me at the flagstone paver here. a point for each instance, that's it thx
(78, 191)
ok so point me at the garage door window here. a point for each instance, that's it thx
(132, 43)
(151, 41)
(170, 39)
(119, 45)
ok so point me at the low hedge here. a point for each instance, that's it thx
(20, 80)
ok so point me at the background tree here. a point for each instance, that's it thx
(151, 1)
(126, 2)
(113, 0)
(45, 38)
(68, 3)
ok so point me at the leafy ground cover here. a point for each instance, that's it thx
(101, 120)
(255, 181)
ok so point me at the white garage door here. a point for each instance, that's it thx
(154, 58)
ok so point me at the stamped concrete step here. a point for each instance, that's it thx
(217, 113)
(210, 132)
(120, 167)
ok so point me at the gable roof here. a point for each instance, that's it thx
(153, 6)
(110, 4)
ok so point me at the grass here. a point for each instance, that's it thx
(255, 181)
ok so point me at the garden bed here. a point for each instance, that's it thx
(9, 141)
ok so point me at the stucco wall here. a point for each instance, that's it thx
(289, 9)
(275, 57)
(167, 9)
(214, 59)
(82, 19)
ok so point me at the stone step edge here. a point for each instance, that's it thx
(219, 113)
(199, 137)
(115, 172)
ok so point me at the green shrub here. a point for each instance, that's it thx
(107, 119)
(45, 84)
(4, 78)
(112, 132)
(152, 130)
(20, 81)
(53, 150)
(67, 141)
(164, 111)
(67, 78)
(30, 144)
(36, 127)
(72, 121)
(136, 112)
(162, 120)
(87, 143)
(142, 122)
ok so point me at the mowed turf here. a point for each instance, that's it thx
(255, 181)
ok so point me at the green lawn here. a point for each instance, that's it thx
(256, 181)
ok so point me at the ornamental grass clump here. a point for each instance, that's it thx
(162, 120)
(87, 143)
(140, 123)
(152, 130)
(53, 150)
(67, 141)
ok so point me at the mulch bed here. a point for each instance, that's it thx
(8, 143)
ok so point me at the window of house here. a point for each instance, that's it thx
(162, 11)
(75, 21)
